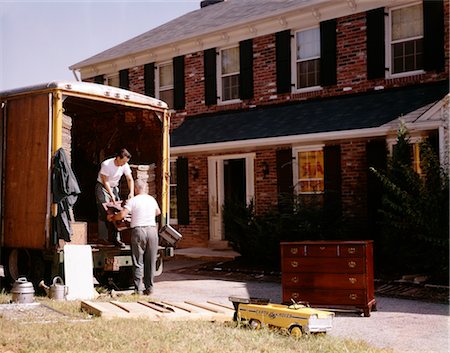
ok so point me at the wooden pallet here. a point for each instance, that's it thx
(164, 310)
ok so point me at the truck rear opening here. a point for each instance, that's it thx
(90, 122)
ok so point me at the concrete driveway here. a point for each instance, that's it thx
(403, 325)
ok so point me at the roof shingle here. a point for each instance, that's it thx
(357, 111)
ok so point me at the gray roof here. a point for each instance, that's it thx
(351, 112)
(202, 21)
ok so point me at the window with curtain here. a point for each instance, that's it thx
(406, 39)
(229, 66)
(173, 214)
(310, 172)
(165, 84)
(308, 58)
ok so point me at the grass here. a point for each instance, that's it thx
(140, 335)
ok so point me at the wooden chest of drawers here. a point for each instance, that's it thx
(333, 274)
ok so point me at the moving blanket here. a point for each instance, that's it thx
(65, 190)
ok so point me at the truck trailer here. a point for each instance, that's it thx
(89, 122)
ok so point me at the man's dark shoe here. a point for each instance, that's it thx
(148, 291)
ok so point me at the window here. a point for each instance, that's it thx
(173, 214)
(113, 80)
(229, 74)
(165, 83)
(406, 38)
(308, 58)
(310, 172)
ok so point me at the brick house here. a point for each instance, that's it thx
(270, 96)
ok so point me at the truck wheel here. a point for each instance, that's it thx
(255, 324)
(159, 266)
(19, 263)
(296, 331)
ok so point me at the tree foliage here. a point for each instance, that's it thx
(415, 211)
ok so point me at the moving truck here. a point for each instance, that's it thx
(90, 122)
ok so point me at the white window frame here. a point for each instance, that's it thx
(414, 141)
(389, 42)
(294, 63)
(172, 220)
(157, 81)
(114, 76)
(295, 164)
(220, 100)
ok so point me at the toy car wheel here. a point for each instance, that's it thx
(296, 331)
(255, 324)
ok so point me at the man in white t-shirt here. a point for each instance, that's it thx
(144, 236)
(107, 190)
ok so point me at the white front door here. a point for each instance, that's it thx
(230, 177)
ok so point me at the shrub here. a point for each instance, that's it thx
(257, 237)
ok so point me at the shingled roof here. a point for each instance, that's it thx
(209, 19)
(351, 112)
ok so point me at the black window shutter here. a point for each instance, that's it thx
(283, 58)
(433, 32)
(209, 62)
(246, 69)
(375, 44)
(182, 190)
(284, 179)
(124, 81)
(332, 181)
(149, 79)
(328, 53)
(99, 79)
(179, 100)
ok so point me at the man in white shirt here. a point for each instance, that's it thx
(144, 236)
(107, 190)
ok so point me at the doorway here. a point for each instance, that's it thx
(230, 178)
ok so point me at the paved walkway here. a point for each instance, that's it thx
(407, 326)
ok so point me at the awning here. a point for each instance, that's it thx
(338, 114)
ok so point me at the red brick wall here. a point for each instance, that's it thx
(136, 79)
(354, 183)
(196, 234)
(351, 71)
(265, 185)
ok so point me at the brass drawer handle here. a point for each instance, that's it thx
(294, 263)
(352, 280)
(294, 279)
(351, 250)
(294, 251)
(352, 264)
(353, 296)
(322, 248)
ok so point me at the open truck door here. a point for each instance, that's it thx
(90, 122)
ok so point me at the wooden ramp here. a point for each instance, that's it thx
(164, 310)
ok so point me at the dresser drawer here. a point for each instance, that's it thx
(352, 250)
(293, 250)
(326, 297)
(324, 280)
(322, 250)
(323, 265)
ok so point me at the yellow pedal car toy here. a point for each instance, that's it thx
(297, 318)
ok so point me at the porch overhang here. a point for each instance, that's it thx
(372, 114)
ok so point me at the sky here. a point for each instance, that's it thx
(39, 40)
